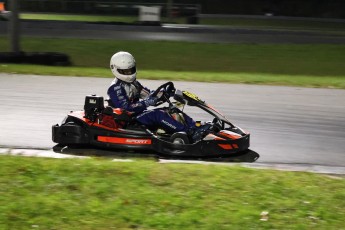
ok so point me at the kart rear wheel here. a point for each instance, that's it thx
(180, 138)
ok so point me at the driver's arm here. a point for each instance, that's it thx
(119, 99)
(143, 91)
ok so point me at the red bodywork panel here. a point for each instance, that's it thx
(105, 121)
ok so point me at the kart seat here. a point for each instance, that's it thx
(118, 114)
(115, 118)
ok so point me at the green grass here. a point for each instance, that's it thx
(86, 18)
(238, 78)
(300, 65)
(100, 194)
(91, 18)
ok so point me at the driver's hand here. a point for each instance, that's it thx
(151, 101)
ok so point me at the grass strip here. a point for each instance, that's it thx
(79, 17)
(228, 77)
(301, 65)
(100, 194)
(94, 18)
(321, 60)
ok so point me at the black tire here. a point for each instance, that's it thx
(180, 138)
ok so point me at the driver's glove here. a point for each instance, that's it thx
(151, 101)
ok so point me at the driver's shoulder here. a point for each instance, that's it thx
(116, 85)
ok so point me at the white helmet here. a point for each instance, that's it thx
(122, 64)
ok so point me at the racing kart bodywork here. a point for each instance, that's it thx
(114, 128)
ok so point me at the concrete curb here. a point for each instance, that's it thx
(320, 169)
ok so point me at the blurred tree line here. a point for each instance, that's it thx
(294, 8)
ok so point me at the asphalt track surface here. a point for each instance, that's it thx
(289, 125)
(173, 32)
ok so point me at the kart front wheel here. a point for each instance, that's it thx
(180, 138)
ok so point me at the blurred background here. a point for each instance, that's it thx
(190, 8)
(239, 37)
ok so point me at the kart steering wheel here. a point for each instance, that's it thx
(167, 90)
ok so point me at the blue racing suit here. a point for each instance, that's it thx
(135, 98)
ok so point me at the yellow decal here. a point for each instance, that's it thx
(191, 95)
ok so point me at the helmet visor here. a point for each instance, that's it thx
(130, 71)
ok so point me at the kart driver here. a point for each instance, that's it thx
(127, 93)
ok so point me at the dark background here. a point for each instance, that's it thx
(292, 8)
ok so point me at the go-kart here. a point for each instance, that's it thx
(114, 128)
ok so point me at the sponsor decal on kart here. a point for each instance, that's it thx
(191, 95)
(122, 140)
(138, 141)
